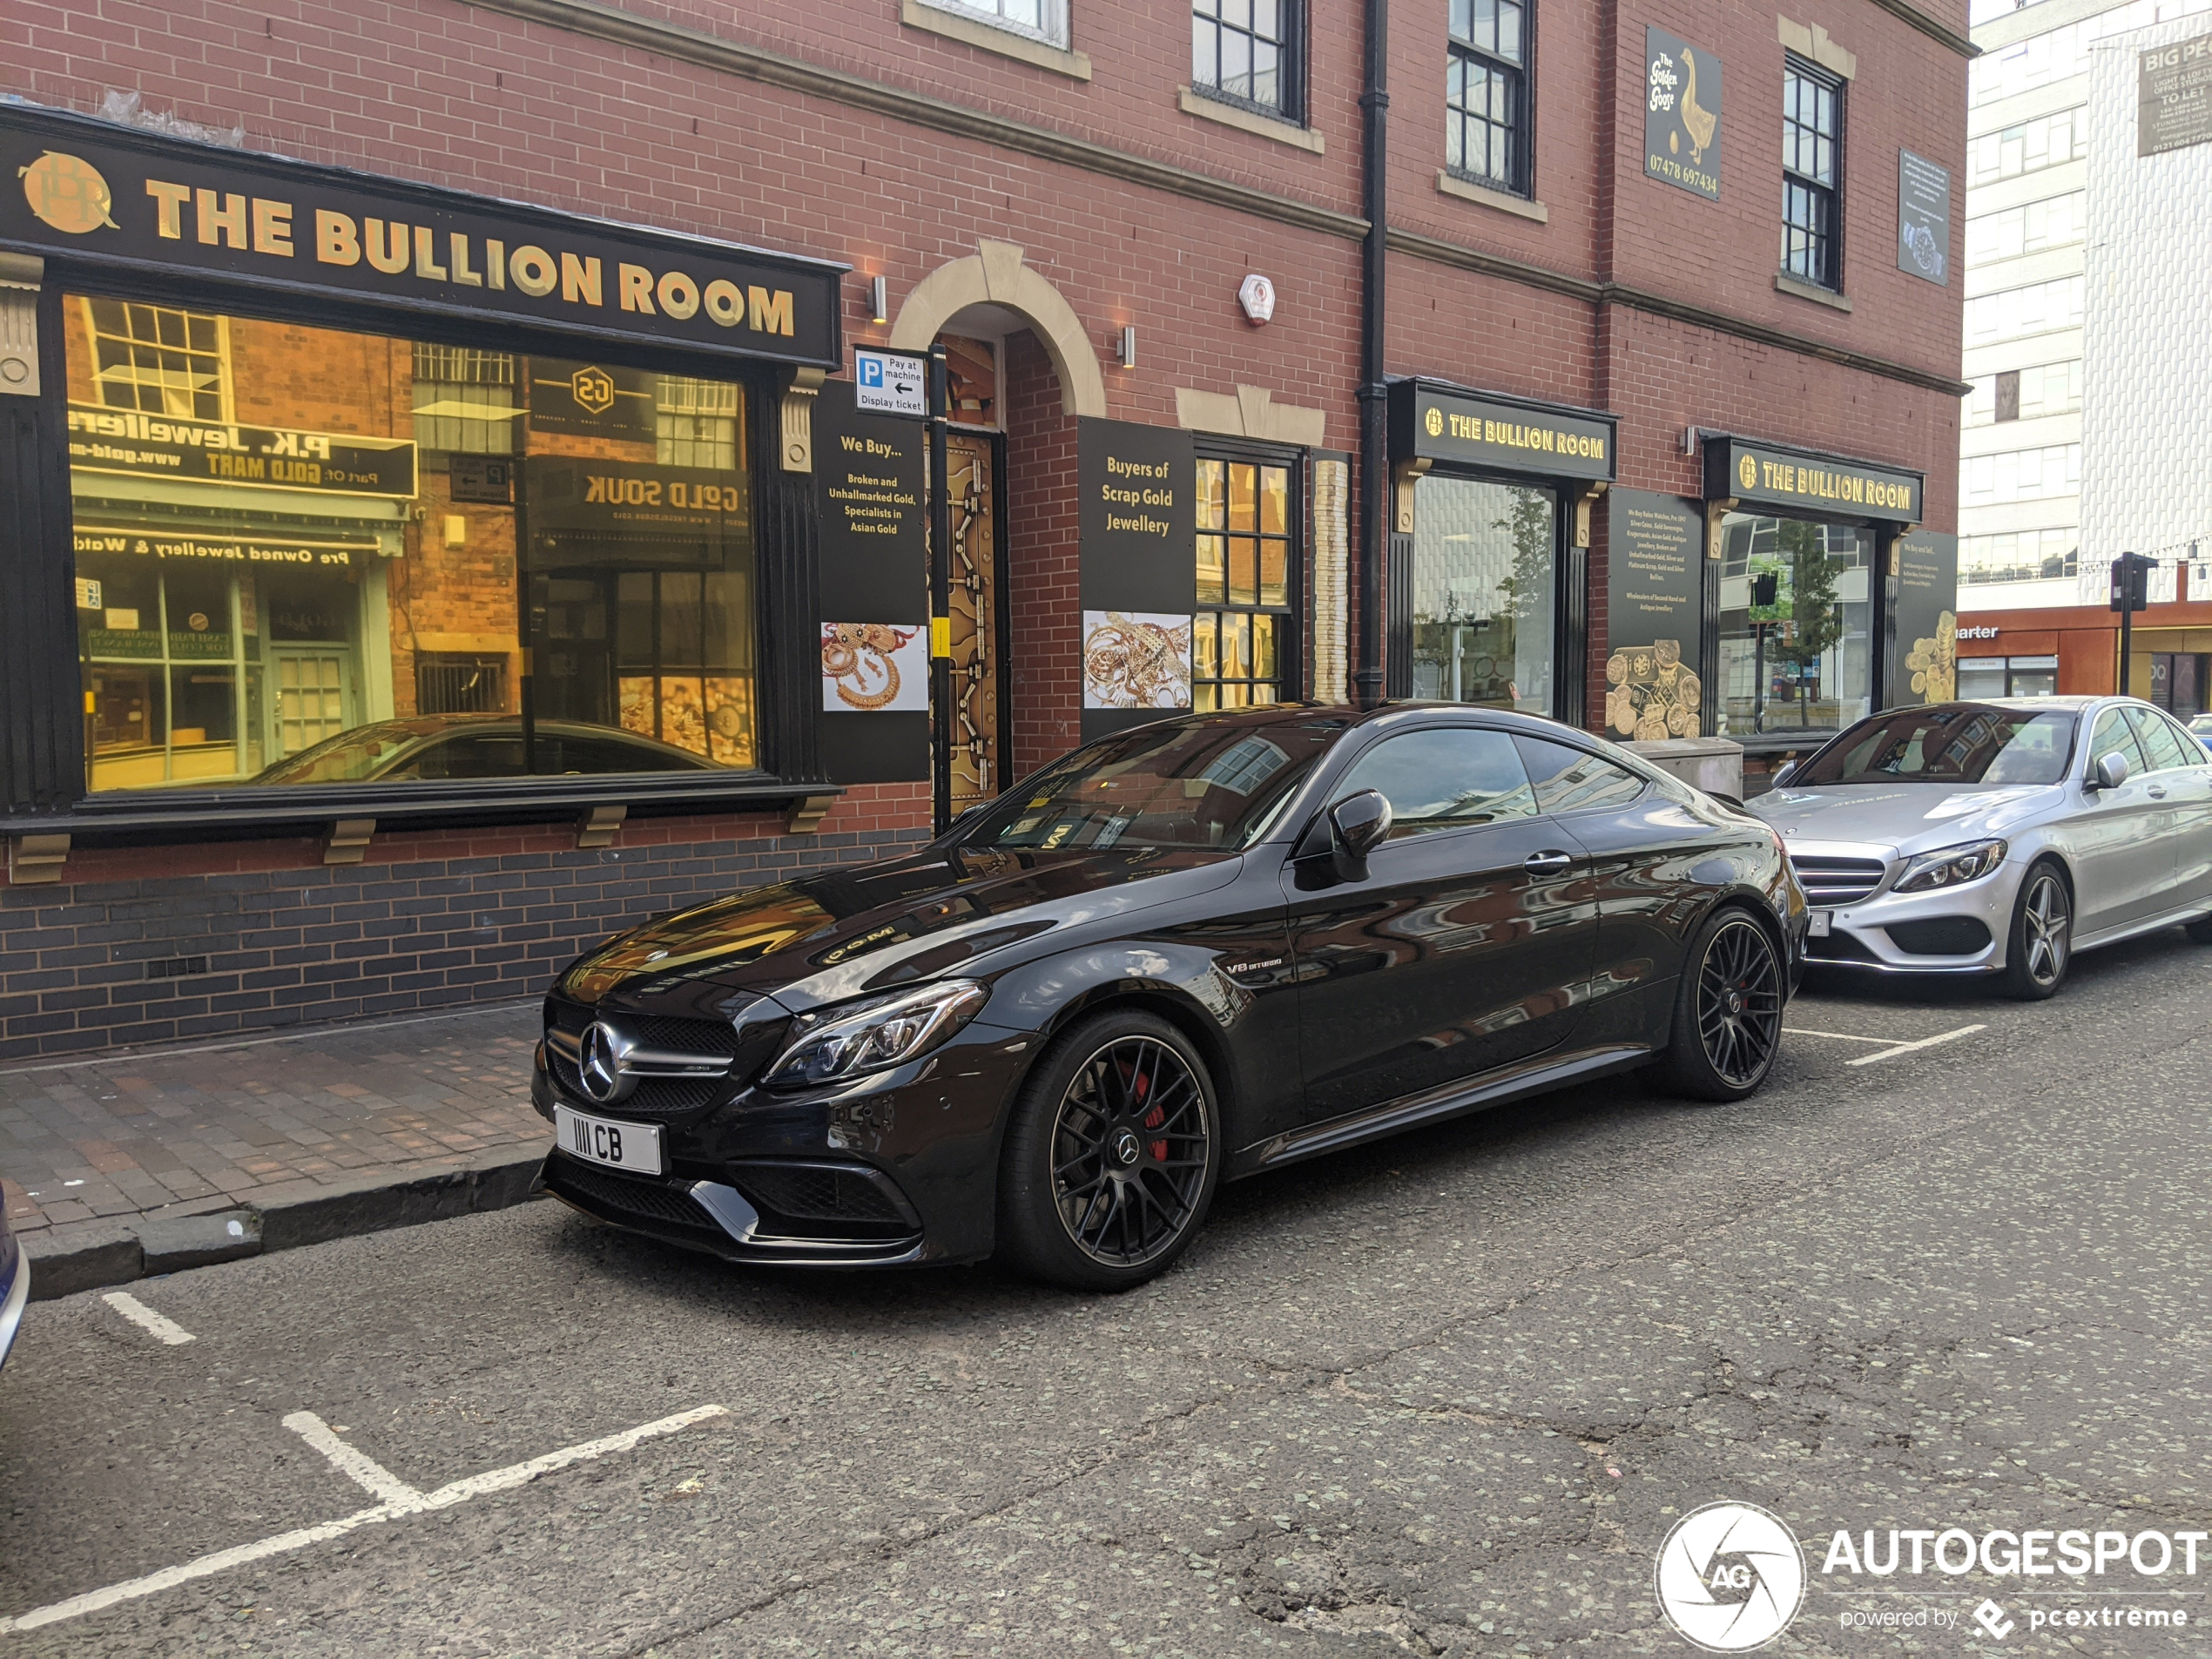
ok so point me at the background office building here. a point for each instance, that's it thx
(2087, 434)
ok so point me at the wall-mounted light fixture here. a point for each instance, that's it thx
(879, 299)
(1125, 347)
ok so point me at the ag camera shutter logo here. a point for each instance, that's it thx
(1730, 1577)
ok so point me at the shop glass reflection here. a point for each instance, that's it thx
(1484, 564)
(288, 540)
(1803, 662)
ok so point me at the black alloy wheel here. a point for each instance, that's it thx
(1113, 1155)
(2042, 947)
(1728, 1012)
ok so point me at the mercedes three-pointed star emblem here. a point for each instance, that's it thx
(600, 1067)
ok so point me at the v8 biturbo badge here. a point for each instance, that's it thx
(68, 193)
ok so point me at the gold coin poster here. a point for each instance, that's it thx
(1655, 589)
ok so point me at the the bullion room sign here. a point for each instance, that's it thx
(1763, 474)
(1137, 521)
(1682, 114)
(88, 190)
(1435, 422)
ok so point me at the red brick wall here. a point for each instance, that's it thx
(1045, 609)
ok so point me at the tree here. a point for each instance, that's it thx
(1811, 600)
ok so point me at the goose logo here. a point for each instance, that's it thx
(1730, 1577)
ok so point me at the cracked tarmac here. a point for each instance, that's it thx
(1443, 1395)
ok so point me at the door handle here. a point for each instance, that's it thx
(1546, 863)
(2157, 794)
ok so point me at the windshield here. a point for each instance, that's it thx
(1210, 782)
(1952, 743)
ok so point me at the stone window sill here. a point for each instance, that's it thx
(1451, 184)
(1230, 115)
(988, 38)
(1811, 291)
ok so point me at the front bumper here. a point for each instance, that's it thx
(892, 1170)
(1952, 930)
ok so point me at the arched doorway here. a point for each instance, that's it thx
(1022, 370)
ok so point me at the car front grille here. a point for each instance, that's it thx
(654, 1097)
(649, 1206)
(1832, 882)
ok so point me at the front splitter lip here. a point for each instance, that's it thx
(756, 1252)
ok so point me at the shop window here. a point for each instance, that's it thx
(1982, 677)
(158, 359)
(1813, 125)
(1486, 94)
(464, 401)
(1484, 578)
(269, 590)
(2180, 681)
(1244, 641)
(1802, 660)
(1045, 20)
(1244, 50)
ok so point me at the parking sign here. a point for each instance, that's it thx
(884, 384)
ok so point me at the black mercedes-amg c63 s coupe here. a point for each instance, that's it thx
(1189, 952)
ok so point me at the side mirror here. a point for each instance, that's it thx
(1782, 777)
(1358, 825)
(2110, 771)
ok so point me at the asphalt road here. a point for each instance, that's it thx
(1443, 1395)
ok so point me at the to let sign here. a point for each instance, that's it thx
(2173, 96)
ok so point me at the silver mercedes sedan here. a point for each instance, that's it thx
(1999, 837)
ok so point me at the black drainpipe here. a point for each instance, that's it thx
(1374, 430)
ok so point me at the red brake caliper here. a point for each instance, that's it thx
(1153, 1119)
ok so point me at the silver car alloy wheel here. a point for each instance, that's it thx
(2047, 927)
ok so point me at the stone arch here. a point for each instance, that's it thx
(994, 274)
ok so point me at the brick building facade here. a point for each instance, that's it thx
(1042, 179)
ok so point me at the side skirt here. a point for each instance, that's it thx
(1496, 1089)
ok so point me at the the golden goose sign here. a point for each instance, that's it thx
(1682, 114)
(98, 195)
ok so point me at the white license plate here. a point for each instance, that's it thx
(1820, 923)
(635, 1146)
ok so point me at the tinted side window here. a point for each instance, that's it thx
(470, 755)
(569, 752)
(1567, 779)
(2162, 746)
(2112, 736)
(1444, 779)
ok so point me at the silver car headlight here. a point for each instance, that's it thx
(876, 1032)
(1951, 866)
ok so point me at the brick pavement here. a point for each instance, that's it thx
(118, 1135)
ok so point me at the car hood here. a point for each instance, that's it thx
(877, 926)
(1904, 818)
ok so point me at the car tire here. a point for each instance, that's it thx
(2040, 948)
(1728, 1012)
(1112, 1154)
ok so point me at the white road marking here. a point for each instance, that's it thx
(365, 1471)
(1840, 1036)
(139, 1314)
(1914, 1048)
(445, 1497)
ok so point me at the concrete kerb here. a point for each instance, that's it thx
(91, 1255)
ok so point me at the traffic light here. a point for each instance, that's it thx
(1764, 587)
(2131, 581)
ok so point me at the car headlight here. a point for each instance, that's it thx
(876, 1032)
(1950, 866)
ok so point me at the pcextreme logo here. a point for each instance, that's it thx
(1730, 1577)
